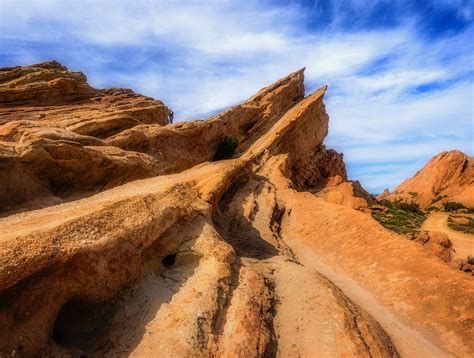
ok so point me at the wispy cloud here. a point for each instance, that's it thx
(400, 73)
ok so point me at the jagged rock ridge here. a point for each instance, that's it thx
(223, 258)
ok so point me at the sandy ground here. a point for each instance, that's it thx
(462, 243)
(409, 341)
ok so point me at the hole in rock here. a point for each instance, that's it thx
(169, 260)
(226, 148)
(80, 323)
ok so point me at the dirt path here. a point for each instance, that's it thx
(463, 243)
(408, 341)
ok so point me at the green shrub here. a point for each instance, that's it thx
(226, 148)
(411, 207)
(386, 203)
(452, 206)
(467, 229)
(403, 218)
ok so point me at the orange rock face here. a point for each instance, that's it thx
(351, 194)
(436, 242)
(249, 256)
(52, 131)
(449, 176)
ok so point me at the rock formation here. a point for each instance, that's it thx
(53, 127)
(201, 258)
(449, 176)
(348, 193)
(436, 242)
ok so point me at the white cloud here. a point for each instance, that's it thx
(203, 56)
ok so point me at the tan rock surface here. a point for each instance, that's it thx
(436, 242)
(225, 258)
(52, 126)
(351, 194)
(409, 291)
(449, 176)
(186, 144)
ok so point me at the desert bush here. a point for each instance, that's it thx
(467, 229)
(411, 207)
(403, 218)
(452, 206)
(386, 203)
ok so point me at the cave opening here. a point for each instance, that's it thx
(169, 260)
(80, 323)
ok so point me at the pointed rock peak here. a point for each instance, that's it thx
(293, 79)
(319, 92)
(450, 156)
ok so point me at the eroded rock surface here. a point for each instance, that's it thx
(348, 193)
(436, 242)
(205, 258)
(52, 131)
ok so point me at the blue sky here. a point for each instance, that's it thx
(400, 73)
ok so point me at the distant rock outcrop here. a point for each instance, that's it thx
(449, 176)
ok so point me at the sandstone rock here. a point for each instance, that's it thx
(61, 148)
(467, 267)
(436, 242)
(377, 207)
(44, 81)
(350, 194)
(362, 257)
(384, 194)
(449, 176)
(207, 261)
(197, 249)
(51, 128)
(186, 144)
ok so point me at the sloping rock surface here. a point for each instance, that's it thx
(347, 193)
(219, 258)
(449, 176)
